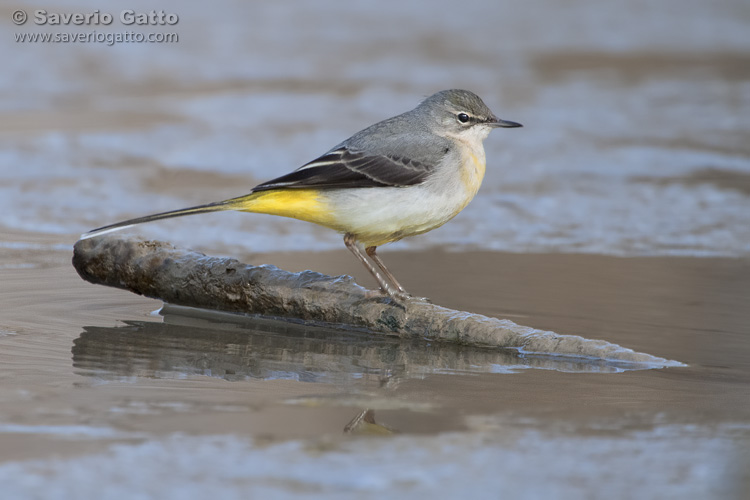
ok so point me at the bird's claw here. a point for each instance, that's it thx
(402, 296)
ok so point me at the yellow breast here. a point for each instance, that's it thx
(472, 172)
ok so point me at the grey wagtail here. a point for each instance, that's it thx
(400, 177)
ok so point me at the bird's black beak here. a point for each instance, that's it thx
(497, 122)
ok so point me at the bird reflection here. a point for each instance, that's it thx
(364, 424)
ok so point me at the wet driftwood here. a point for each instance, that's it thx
(182, 277)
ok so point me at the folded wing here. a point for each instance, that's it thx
(343, 168)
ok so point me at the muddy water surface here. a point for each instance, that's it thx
(86, 368)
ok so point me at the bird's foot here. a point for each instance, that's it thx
(401, 296)
(426, 300)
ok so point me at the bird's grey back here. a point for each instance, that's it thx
(411, 134)
(406, 135)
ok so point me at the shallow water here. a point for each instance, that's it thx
(96, 380)
(625, 199)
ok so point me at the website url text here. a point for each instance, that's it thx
(97, 37)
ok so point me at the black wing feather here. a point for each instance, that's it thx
(344, 168)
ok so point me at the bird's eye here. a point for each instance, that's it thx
(462, 117)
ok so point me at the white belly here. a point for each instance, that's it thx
(381, 215)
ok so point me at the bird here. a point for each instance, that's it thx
(400, 177)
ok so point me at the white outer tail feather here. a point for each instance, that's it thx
(100, 232)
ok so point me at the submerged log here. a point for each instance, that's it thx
(187, 278)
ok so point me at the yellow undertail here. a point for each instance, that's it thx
(303, 204)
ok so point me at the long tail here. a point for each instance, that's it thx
(218, 206)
